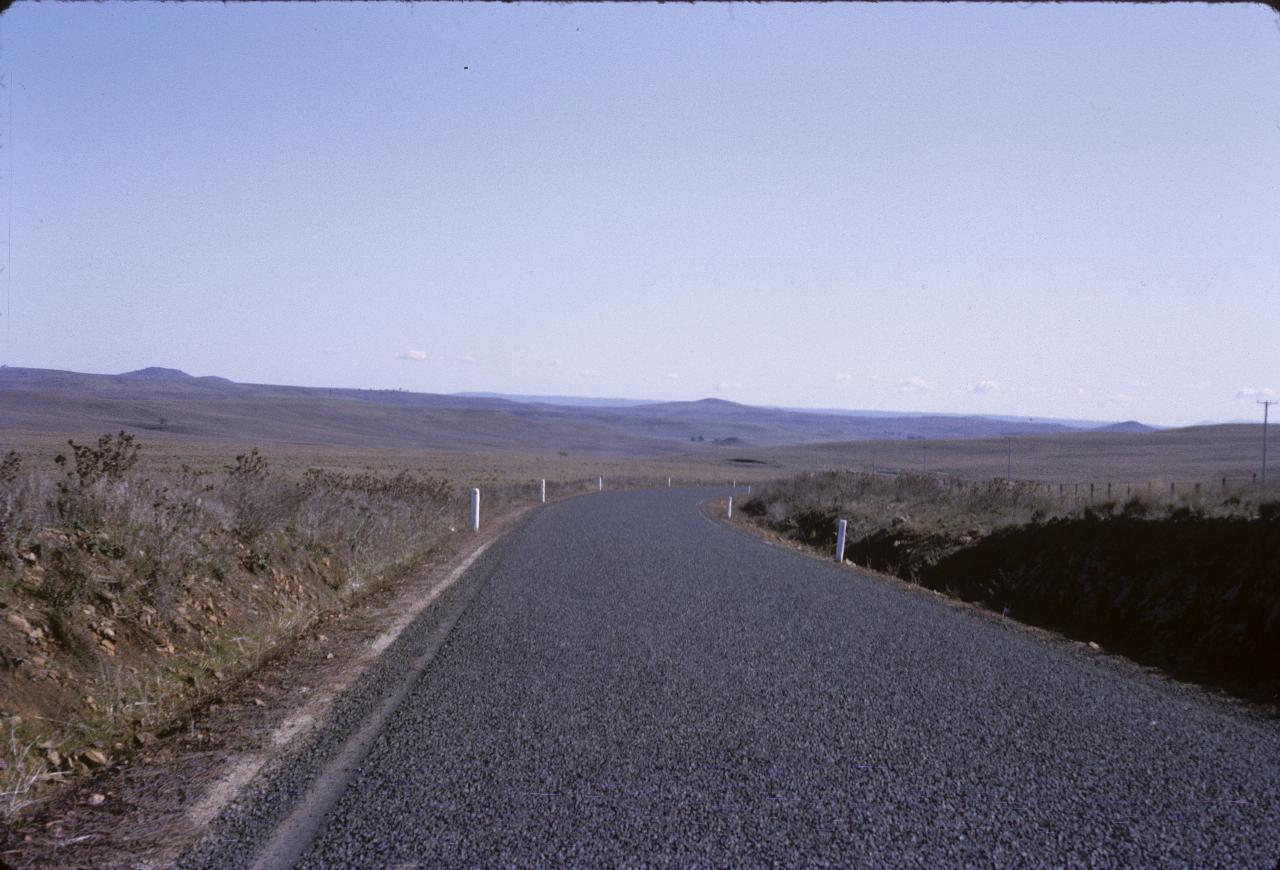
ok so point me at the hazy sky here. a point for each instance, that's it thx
(1052, 211)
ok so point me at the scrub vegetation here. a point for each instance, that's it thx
(128, 594)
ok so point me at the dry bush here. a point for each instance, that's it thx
(181, 575)
(258, 502)
(84, 492)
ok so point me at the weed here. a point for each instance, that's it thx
(148, 590)
(23, 769)
(10, 468)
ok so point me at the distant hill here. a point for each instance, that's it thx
(1006, 418)
(1127, 426)
(171, 403)
(567, 401)
(158, 374)
(586, 401)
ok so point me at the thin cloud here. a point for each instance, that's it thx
(728, 386)
(842, 377)
(1255, 393)
(467, 360)
(671, 376)
(914, 385)
(590, 373)
(412, 355)
(984, 387)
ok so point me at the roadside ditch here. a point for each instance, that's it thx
(1197, 597)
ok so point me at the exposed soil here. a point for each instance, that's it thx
(1197, 597)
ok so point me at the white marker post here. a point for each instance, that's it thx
(668, 483)
(734, 485)
(748, 489)
(599, 484)
(729, 511)
(840, 529)
(475, 510)
(542, 491)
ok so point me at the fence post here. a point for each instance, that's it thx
(1171, 485)
(542, 491)
(729, 509)
(475, 510)
(748, 489)
(841, 526)
(600, 484)
(1108, 489)
(668, 483)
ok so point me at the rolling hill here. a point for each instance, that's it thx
(168, 403)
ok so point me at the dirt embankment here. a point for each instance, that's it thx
(1198, 597)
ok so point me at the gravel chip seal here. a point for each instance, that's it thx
(627, 684)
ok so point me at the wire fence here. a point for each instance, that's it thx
(1232, 494)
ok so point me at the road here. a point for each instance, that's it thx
(630, 683)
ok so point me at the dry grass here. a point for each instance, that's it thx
(1185, 457)
(937, 504)
(128, 593)
(22, 769)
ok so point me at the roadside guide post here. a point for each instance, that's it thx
(475, 510)
(841, 526)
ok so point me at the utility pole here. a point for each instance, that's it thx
(1008, 474)
(1266, 407)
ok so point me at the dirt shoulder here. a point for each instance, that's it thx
(145, 807)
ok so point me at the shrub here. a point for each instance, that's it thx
(258, 502)
(10, 468)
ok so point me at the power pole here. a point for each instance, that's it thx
(1266, 407)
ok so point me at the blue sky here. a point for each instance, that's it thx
(1052, 211)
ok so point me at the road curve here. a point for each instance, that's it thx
(632, 683)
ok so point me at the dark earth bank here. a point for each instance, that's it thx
(1198, 597)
